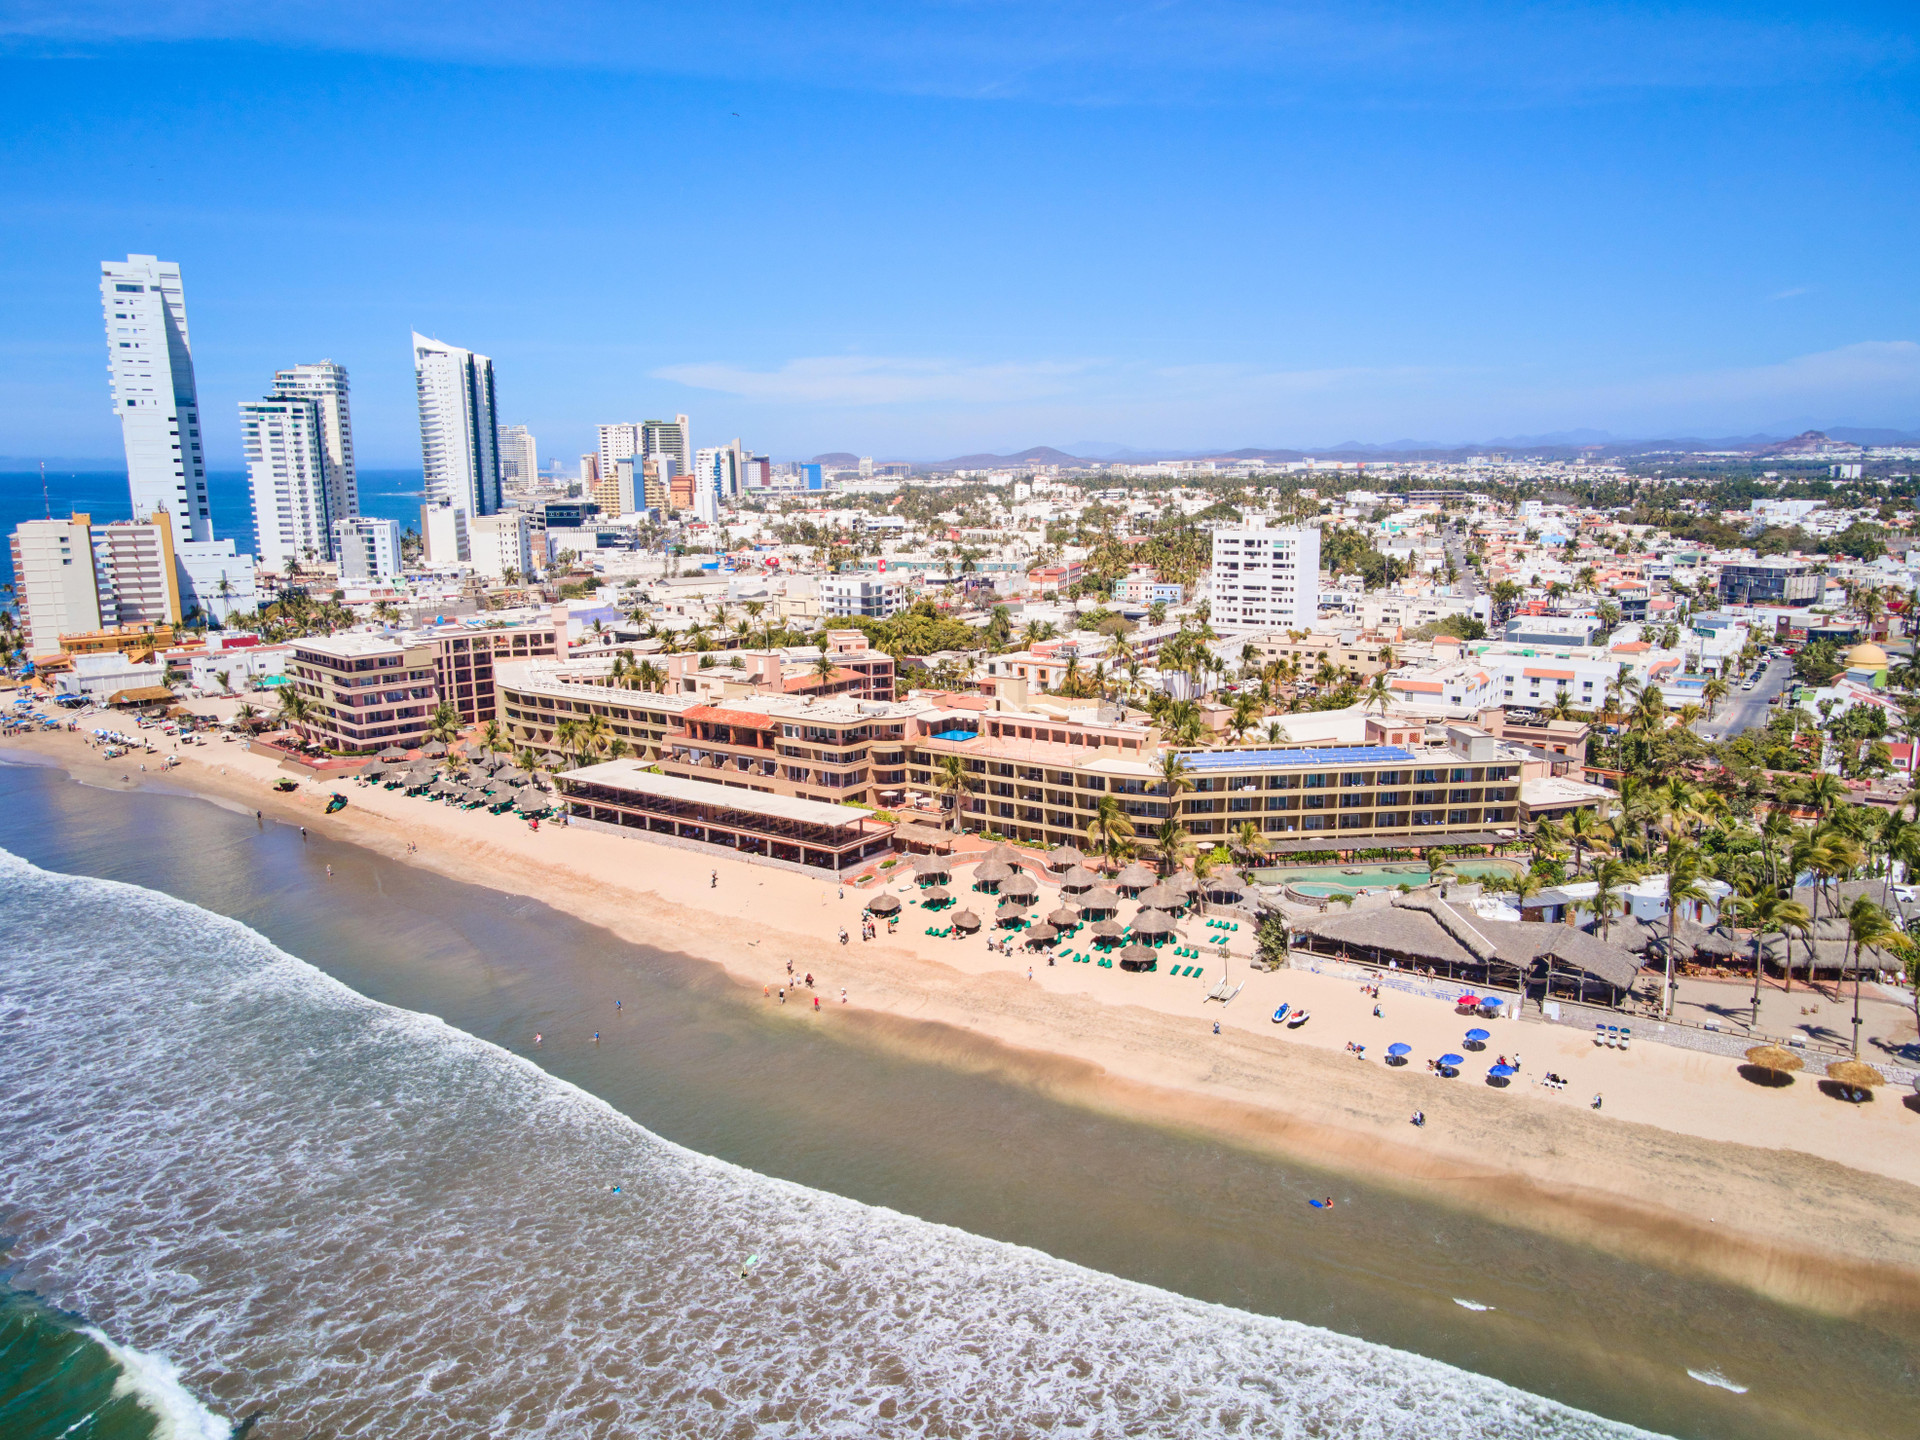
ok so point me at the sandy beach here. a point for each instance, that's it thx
(1787, 1190)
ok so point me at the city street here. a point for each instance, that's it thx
(1744, 709)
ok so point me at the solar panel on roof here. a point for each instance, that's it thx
(1261, 759)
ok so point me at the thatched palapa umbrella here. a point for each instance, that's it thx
(1009, 911)
(1858, 1076)
(936, 895)
(392, 752)
(991, 872)
(1079, 878)
(1153, 922)
(1134, 878)
(1021, 886)
(1064, 916)
(932, 867)
(966, 920)
(1162, 898)
(1775, 1058)
(1108, 929)
(1062, 857)
(1185, 881)
(433, 750)
(883, 904)
(1042, 934)
(1136, 957)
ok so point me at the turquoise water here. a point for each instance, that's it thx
(61, 1377)
(1350, 879)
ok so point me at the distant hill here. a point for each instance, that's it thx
(836, 460)
(1038, 455)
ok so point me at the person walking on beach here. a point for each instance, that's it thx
(1029, 972)
(843, 994)
(783, 994)
(536, 1039)
(329, 872)
(816, 1004)
(713, 881)
(596, 1037)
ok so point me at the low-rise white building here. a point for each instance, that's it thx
(368, 547)
(874, 597)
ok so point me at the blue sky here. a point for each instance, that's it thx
(918, 230)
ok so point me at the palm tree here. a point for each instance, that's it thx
(647, 676)
(1379, 694)
(1713, 692)
(1610, 878)
(1587, 831)
(1172, 843)
(595, 734)
(493, 737)
(1562, 707)
(223, 676)
(566, 737)
(1682, 866)
(1867, 925)
(445, 725)
(1248, 843)
(1110, 831)
(951, 777)
(294, 708)
(824, 667)
(1769, 913)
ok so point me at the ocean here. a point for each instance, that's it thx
(351, 1198)
(389, 494)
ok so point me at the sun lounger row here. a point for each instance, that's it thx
(1183, 971)
(1228, 925)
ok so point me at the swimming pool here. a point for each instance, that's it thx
(1383, 874)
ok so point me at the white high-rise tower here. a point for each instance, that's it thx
(154, 394)
(326, 385)
(457, 427)
(285, 442)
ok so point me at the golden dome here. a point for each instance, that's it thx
(1866, 656)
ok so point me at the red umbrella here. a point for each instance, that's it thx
(1468, 1000)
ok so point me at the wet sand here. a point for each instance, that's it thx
(1689, 1167)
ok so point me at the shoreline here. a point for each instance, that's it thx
(1133, 1048)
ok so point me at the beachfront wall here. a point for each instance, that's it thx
(776, 827)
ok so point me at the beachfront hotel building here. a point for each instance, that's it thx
(364, 692)
(325, 384)
(287, 475)
(154, 395)
(466, 653)
(1039, 774)
(1265, 578)
(809, 834)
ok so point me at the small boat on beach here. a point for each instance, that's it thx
(1280, 1015)
(1298, 1018)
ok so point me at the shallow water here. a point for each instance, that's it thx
(365, 1220)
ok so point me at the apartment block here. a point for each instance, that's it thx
(1265, 578)
(367, 548)
(364, 692)
(465, 656)
(874, 597)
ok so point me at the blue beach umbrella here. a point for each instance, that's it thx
(1399, 1047)
(1503, 1071)
(1452, 1062)
(1478, 1036)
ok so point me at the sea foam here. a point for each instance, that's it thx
(374, 1223)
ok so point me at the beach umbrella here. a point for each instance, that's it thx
(477, 796)
(372, 771)
(1478, 1037)
(991, 872)
(1079, 878)
(1108, 930)
(930, 867)
(1136, 957)
(935, 895)
(392, 752)
(1104, 901)
(1224, 885)
(1042, 934)
(1152, 922)
(476, 752)
(553, 759)
(510, 775)
(966, 920)
(1134, 877)
(1452, 1062)
(1062, 857)
(529, 806)
(1777, 1058)
(1004, 853)
(1008, 913)
(1063, 916)
(433, 750)
(1856, 1075)
(1162, 898)
(1467, 1002)
(1185, 881)
(1501, 1072)
(883, 905)
(1021, 885)
(1399, 1047)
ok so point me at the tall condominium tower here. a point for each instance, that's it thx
(326, 385)
(285, 442)
(153, 392)
(669, 438)
(457, 426)
(617, 442)
(519, 456)
(1265, 579)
